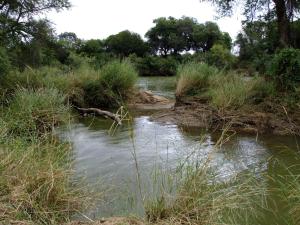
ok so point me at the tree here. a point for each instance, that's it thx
(205, 36)
(125, 43)
(42, 48)
(92, 48)
(16, 17)
(172, 36)
(257, 39)
(285, 11)
(69, 40)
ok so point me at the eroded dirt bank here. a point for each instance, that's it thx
(266, 118)
(260, 119)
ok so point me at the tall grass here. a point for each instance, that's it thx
(35, 168)
(113, 86)
(201, 198)
(84, 86)
(193, 78)
(35, 112)
(230, 90)
(224, 90)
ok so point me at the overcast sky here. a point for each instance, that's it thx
(101, 18)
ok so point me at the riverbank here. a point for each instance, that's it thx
(193, 112)
(212, 99)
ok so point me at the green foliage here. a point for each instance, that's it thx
(193, 78)
(17, 18)
(125, 43)
(220, 57)
(175, 36)
(285, 68)
(69, 40)
(113, 86)
(230, 90)
(4, 62)
(92, 48)
(155, 66)
(35, 112)
(119, 76)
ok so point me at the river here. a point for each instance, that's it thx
(110, 162)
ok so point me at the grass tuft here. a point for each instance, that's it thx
(193, 78)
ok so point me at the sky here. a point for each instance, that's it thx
(97, 19)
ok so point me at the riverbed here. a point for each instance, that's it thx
(125, 166)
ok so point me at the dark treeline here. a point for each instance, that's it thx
(27, 42)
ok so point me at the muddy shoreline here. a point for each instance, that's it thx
(195, 112)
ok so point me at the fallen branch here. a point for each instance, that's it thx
(103, 113)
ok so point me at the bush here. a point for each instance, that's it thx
(155, 66)
(193, 78)
(285, 69)
(220, 57)
(119, 77)
(4, 62)
(35, 112)
(113, 85)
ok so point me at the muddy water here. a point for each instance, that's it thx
(111, 163)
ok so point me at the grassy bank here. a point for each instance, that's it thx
(35, 167)
(231, 90)
(85, 86)
(223, 89)
(36, 185)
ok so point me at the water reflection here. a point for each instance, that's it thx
(110, 158)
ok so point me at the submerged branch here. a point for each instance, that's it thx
(103, 113)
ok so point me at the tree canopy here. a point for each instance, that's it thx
(284, 11)
(175, 36)
(17, 16)
(126, 43)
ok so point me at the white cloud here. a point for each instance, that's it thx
(101, 18)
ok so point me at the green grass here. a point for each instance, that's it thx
(193, 78)
(36, 168)
(115, 83)
(85, 86)
(203, 199)
(224, 90)
(35, 112)
(231, 90)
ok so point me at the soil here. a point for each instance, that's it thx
(148, 101)
(266, 118)
(263, 118)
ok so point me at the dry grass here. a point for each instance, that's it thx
(35, 168)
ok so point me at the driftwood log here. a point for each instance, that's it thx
(100, 112)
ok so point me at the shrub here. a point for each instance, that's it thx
(285, 68)
(220, 57)
(193, 78)
(119, 77)
(36, 112)
(112, 85)
(155, 66)
(4, 62)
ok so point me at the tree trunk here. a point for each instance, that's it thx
(283, 22)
